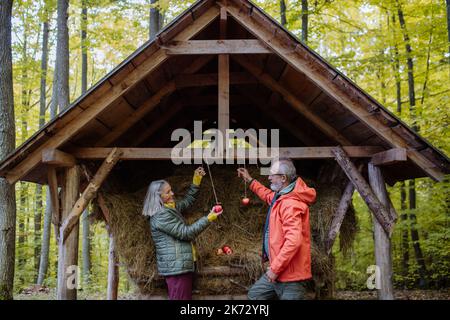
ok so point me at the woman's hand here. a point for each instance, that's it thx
(243, 173)
(213, 215)
(199, 173)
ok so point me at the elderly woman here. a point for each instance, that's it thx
(175, 252)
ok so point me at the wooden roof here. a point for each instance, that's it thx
(168, 83)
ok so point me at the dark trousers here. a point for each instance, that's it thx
(180, 286)
(263, 289)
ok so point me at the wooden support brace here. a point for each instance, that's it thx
(198, 47)
(89, 192)
(58, 158)
(339, 215)
(388, 157)
(378, 209)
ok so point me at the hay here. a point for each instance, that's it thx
(239, 227)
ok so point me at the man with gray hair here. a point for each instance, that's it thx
(286, 234)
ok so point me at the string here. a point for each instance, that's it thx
(212, 183)
(245, 184)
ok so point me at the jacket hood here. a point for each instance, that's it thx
(302, 192)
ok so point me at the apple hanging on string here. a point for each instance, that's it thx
(245, 201)
(217, 208)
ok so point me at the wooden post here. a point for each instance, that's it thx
(68, 250)
(91, 190)
(377, 208)
(339, 215)
(113, 270)
(224, 84)
(383, 256)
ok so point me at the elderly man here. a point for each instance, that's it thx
(286, 235)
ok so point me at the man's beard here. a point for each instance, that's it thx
(276, 187)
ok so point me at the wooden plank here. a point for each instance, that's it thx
(383, 252)
(58, 158)
(224, 95)
(196, 47)
(388, 157)
(323, 76)
(68, 250)
(53, 188)
(211, 79)
(113, 270)
(112, 95)
(339, 215)
(377, 208)
(165, 153)
(105, 211)
(89, 192)
(272, 84)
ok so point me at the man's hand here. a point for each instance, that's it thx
(243, 173)
(199, 173)
(271, 276)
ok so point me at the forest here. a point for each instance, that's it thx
(398, 51)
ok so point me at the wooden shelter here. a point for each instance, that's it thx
(228, 64)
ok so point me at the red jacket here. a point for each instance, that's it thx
(289, 231)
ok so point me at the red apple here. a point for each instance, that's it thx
(217, 208)
(227, 250)
(245, 201)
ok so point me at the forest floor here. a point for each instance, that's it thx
(444, 294)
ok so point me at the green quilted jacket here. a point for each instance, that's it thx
(172, 236)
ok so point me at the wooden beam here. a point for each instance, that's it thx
(377, 208)
(224, 95)
(109, 97)
(383, 252)
(113, 270)
(68, 251)
(58, 158)
(223, 23)
(196, 47)
(89, 192)
(272, 84)
(165, 153)
(333, 84)
(388, 157)
(339, 215)
(211, 79)
(105, 211)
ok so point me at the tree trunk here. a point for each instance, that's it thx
(62, 51)
(45, 242)
(155, 16)
(86, 245)
(412, 110)
(283, 13)
(7, 144)
(405, 237)
(448, 27)
(42, 106)
(423, 283)
(304, 21)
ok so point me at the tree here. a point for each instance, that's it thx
(155, 19)
(7, 144)
(412, 188)
(448, 27)
(45, 242)
(305, 21)
(62, 53)
(86, 246)
(283, 13)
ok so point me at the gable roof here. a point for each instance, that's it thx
(294, 86)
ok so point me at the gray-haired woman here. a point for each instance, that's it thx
(175, 252)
